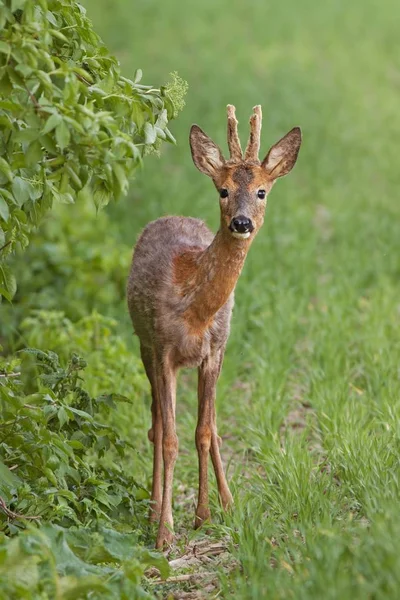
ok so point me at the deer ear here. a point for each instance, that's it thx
(282, 157)
(206, 155)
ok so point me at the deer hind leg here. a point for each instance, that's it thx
(166, 387)
(207, 439)
(155, 436)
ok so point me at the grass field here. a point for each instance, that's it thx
(309, 397)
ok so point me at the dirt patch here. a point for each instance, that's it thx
(194, 573)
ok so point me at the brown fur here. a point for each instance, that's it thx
(180, 297)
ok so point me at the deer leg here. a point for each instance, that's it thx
(206, 389)
(224, 493)
(156, 489)
(207, 439)
(155, 436)
(166, 385)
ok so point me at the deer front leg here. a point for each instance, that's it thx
(207, 438)
(166, 385)
(224, 493)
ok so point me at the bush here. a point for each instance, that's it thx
(62, 463)
(75, 264)
(53, 562)
(54, 436)
(94, 336)
(72, 126)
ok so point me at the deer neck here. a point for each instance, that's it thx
(212, 277)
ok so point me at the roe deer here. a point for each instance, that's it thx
(180, 297)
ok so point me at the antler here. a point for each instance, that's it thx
(233, 137)
(253, 145)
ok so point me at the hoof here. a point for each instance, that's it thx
(165, 538)
(203, 515)
(226, 500)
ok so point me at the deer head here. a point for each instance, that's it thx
(243, 182)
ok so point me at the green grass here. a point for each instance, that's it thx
(316, 327)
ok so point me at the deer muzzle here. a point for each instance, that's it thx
(241, 227)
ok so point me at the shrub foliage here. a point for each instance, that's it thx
(71, 125)
(60, 468)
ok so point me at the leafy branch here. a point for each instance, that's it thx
(71, 127)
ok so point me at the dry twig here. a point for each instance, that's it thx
(9, 374)
(11, 514)
(186, 577)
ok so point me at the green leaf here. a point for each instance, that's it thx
(34, 153)
(62, 416)
(8, 105)
(51, 18)
(101, 197)
(15, 77)
(170, 137)
(51, 123)
(121, 546)
(120, 176)
(83, 587)
(58, 35)
(25, 70)
(5, 48)
(157, 560)
(8, 284)
(8, 481)
(49, 144)
(6, 169)
(137, 76)
(64, 198)
(45, 80)
(81, 413)
(4, 210)
(22, 190)
(85, 194)
(26, 135)
(20, 215)
(63, 135)
(150, 133)
(17, 4)
(162, 119)
(6, 87)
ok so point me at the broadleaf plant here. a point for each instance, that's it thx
(72, 520)
(71, 126)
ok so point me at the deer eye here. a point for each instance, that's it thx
(261, 194)
(224, 193)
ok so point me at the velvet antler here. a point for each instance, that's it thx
(233, 137)
(253, 145)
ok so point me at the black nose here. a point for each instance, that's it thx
(241, 224)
